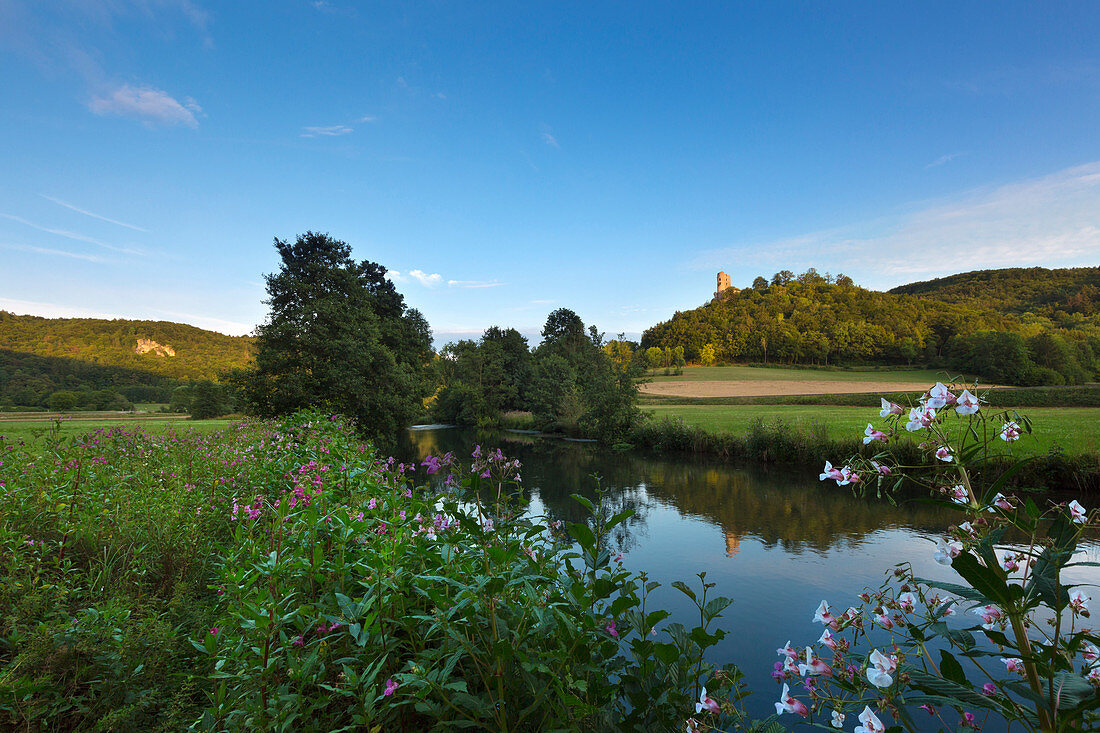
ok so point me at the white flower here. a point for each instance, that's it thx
(1077, 512)
(871, 724)
(838, 719)
(968, 403)
(880, 669)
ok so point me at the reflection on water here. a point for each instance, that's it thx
(776, 542)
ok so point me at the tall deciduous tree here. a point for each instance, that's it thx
(338, 336)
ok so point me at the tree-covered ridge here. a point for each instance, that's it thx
(810, 319)
(1060, 295)
(199, 354)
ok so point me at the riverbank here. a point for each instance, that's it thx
(770, 438)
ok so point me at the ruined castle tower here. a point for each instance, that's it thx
(723, 283)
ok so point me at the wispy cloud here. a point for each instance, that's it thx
(330, 131)
(52, 252)
(943, 159)
(473, 283)
(367, 118)
(78, 210)
(550, 140)
(1049, 221)
(428, 281)
(75, 236)
(50, 310)
(396, 276)
(148, 105)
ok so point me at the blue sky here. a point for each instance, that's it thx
(506, 159)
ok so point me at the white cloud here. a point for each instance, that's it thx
(473, 283)
(59, 202)
(1052, 221)
(396, 276)
(330, 131)
(55, 252)
(943, 159)
(550, 140)
(428, 281)
(147, 104)
(75, 236)
(230, 328)
(367, 118)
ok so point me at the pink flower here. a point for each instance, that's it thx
(1014, 664)
(907, 601)
(871, 724)
(391, 686)
(939, 397)
(881, 668)
(788, 704)
(300, 641)
(890, 408)
(214, 630)
(882, 469)
(813, 666)
(873, 435)
(610, 628)
(1077, 512)
(1010, 432)
(968, 403)
(822, 615)
(920, 418)
(990, 614)
(944, 454)
(989, 689)
(928, 709)
(1001, 502)
(958, 494)
(827, 639)
(830, 472)
(706, 703)
(1079, 601)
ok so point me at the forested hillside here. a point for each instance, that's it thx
(1013, 326)
(198, 354)
(1063, 296)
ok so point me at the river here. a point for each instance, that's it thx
(776, 541)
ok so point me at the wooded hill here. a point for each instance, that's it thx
(1019, 326)
(41, 356)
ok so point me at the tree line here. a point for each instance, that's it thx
(814, 319)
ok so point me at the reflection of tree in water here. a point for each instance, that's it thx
(789, 509)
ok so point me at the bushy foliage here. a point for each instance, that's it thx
(28, 380)
(283, 576)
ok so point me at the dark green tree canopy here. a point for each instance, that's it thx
(338, 336)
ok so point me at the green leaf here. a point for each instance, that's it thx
(585, 502)
(985, 580)
(583, 535)
(682, 587)
(951, 669)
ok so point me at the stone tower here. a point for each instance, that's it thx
(723, 283)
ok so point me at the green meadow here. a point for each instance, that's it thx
(1074, 429)
(920, 377)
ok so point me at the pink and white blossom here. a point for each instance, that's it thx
(871, 723)
(872, 435)
(884, 621)
(883, 470)
(880, 669)
(1014, 664)
(788, 704)
(1077, 512)
(991, 616)
(1079, 601)
(920, 418)
(907, 602)
(939, 397)
(1001, 502)
(890, 408)
(945, 454)
(831, 472)
(1010, 432)
(958, 494)
(823, 616)
(1091, 653)
(968, 403)
(813, 666)
(706, 703)
(838, 719)
(827, 639)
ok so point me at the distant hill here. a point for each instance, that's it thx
(174, 350)
(1019, 326)
(1055, 294)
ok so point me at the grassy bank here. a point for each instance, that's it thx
(1063, 446)
(158, 425)
(1079, 396)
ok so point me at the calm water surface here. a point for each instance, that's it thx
(775, 541)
